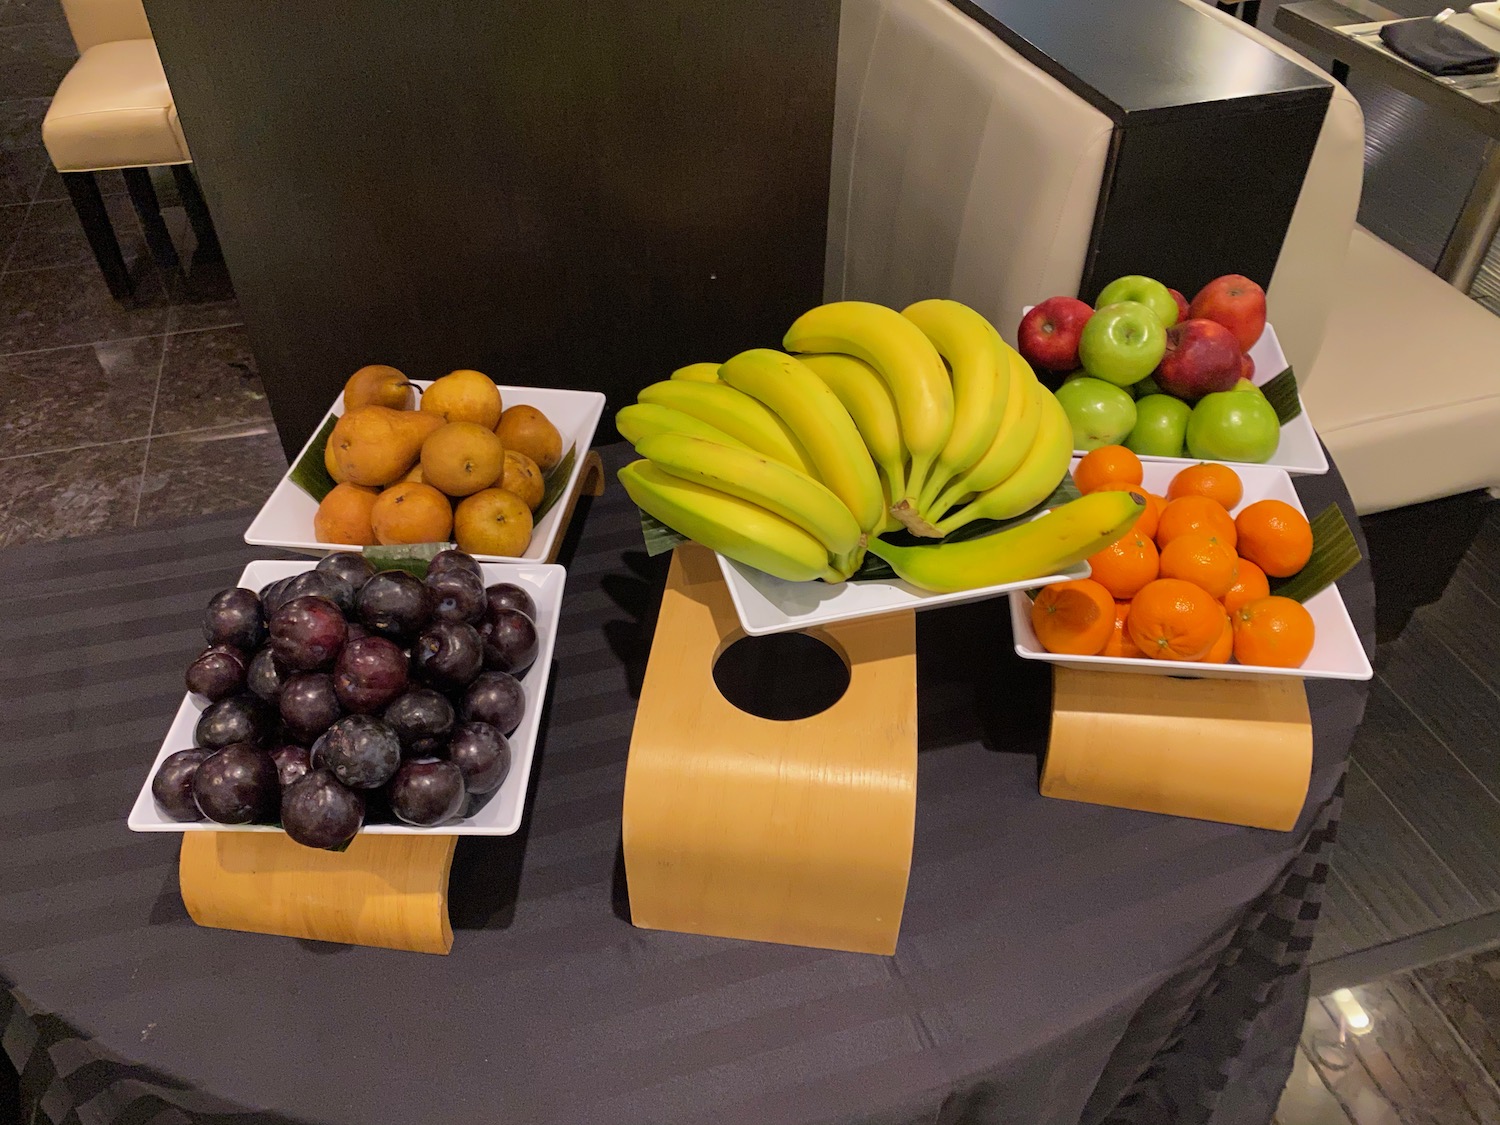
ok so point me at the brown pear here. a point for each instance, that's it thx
(375, 445)
(464, 396)
(378, 385)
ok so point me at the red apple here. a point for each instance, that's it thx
(1049, 333)
(1247, 367)
(1182, 304)
(1202, 357)
(1237, 303)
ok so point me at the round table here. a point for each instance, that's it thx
(1058, 962)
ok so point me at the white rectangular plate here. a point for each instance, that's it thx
(286, 518)
(500, 816)
(1336, 655)
(772, 605)
(1299, 450)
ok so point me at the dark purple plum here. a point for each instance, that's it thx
(482, 754)
(448, 655)
(510, 641)
(369, 674)
(238, 785)
(427, 792)
(459, 596)
(422, 720)
(266, 677)
(307, 633)
(235, 617)
(309, 704)
(316, 583)
(273, 597)
(356, 631)
(496, 698)
(395, 605)
(173, 784)
(292, 762)
(353, 568)
(362, 751)
(318, 812)
(240, 718)
(217, 673)
(453, 559)
(507, 595)
(315, 753)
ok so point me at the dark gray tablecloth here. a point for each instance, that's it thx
(1058, 962)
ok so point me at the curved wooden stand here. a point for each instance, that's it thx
(1236, 751)
(388, 891)
(795, 832)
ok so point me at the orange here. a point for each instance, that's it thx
(1194, 513)
(1274, 632)
(409, 512)
(1218, 482)
(1075, 618)
(1107, 463)
(1275, 536)
(1223, 647)
(1174, 620)
(1204, 560)
(1125, 565)
(1250, 584)
(1151, 517)
(1120, 642)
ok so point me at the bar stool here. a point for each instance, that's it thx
(114, 110)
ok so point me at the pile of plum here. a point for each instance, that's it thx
(342, 696)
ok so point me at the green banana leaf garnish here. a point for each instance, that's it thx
(874, 568)
(1281, 393)
(659, 537)
(1335, 552)
(309, 473)
(556, 481)
(410, 557)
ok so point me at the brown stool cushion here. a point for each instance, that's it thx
(114, 110)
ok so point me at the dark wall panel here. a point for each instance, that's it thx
(582, 194)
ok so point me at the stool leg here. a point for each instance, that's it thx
(158, 238)
(1340, 71)
(1250, 12)
(83, 190)
(196, 207)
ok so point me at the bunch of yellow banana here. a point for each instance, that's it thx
(923, 419)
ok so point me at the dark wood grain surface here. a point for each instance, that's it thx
(569, 195)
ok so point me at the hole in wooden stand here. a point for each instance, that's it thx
(784, 677)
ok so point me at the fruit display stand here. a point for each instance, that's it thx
(796, 832)
(386, 891)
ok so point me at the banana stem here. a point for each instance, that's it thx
(946, 501)
(948, 524)
(916, 479)
(843, 566)
(936, 481)
(896, 476)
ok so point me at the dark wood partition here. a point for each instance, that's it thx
(565, 194)
(1213, 132)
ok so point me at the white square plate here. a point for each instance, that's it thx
(501, 814)
(772, 605)
(1299, 450)
(286, 518)
(1336, 654)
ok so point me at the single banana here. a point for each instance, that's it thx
(1033, 481)
(1012, 441)
(751, 476)
(870, 403)
(1051, 543)
(818, 420)
(904, 358)
(698, 373)
(642, 419)
(981, 385)
(736, 528)
(737, 414)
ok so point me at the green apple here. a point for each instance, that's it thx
(1233, 426)
(1147, 386)
(1135, 287)
(1161, 423)
(1122, 343)
(1246, 386)
(1101, 412)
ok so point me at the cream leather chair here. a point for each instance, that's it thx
(113, 110)
(959, 169)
